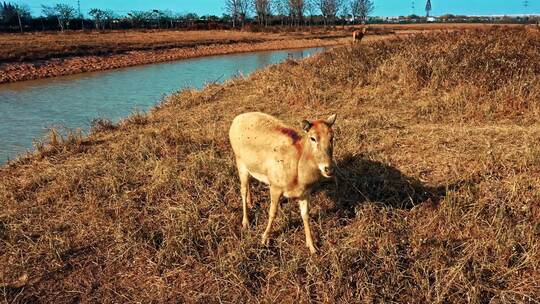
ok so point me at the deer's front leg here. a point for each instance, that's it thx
(275, 194)
(304, 211)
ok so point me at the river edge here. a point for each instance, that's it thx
(16, 72)
(106, 94)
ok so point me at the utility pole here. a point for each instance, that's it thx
(412, 7)
(525, 6)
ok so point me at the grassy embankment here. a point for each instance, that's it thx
(438, 196)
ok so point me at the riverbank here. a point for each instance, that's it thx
(41, 55)
(31, 56)
(13, 72)
(437, 197)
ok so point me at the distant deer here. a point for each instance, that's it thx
(358, 35)
(289, 162)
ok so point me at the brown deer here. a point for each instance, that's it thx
(358, 35)
(289, 162)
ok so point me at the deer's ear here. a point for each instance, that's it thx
(306, 125)
(331, 120)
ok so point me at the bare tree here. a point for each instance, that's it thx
(139, 18)
(361, 9)
(233, 9)
(98, 16)
(243, 10)
(296, 9)
(23, 12)
(281, 8)
(110, 15)
(330, 9)
(310, 8)
(238, 9)
(64, 13)
(169, 16)
(262, 9)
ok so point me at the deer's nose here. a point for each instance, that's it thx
(329, 170)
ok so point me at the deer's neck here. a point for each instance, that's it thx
(308, 170)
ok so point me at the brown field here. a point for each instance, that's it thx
(437, 198)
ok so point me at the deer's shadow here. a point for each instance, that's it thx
(362, 180)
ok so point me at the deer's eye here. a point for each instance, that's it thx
(313, 139)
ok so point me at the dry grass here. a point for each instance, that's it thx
(438, 195)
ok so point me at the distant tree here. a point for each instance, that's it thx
(14, 14)
(310, 8)
(64, 13)
(139, 18)
(109, 16)
(281, 8)
(7, 12)
(98, 15)
(329, 9)
(238, 10)
(361, 9)
(50, 12)
(243, 11)
(263, 10)
(428, 7)
(191, 18)
(232, 7)
(157, 15)
(296, 9)
(169, 17)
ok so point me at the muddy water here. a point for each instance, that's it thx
(28, 109)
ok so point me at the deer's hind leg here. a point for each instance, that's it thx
(243, 173)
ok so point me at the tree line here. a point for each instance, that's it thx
(299, 12)
(238, 13)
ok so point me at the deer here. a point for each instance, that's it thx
(288, 161)
(358, 35)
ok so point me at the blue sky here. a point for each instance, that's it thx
(382, 7)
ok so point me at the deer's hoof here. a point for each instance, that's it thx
(265, 241)
(312, 249)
